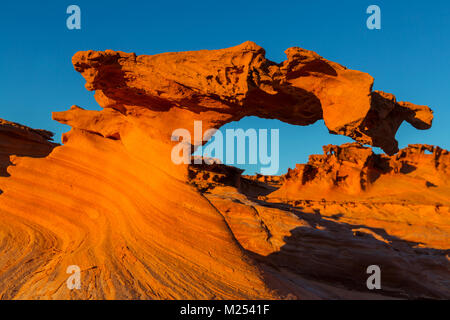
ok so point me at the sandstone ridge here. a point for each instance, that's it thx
(353, 169)
(349, 206)
(111, 201)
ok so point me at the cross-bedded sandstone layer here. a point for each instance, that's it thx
(140, 227)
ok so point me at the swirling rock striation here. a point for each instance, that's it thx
(110, 200)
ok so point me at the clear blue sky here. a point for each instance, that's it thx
(409, 56)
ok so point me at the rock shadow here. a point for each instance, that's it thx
(12, 144)
(338, 254)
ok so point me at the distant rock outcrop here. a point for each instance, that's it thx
(352, 169)
(19, 140)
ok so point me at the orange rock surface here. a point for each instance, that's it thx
(219, 86)
(353, 171)
(345, 209)
(140, 227)
(18, 140)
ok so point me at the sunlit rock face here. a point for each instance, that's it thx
(19, 140)
(219, 86)
(352, 169)
(111, 201)
(345, 209)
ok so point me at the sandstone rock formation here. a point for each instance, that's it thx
(351, 169)
(220, 86)
(344, 209)
(140, 227)
(19, 140)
